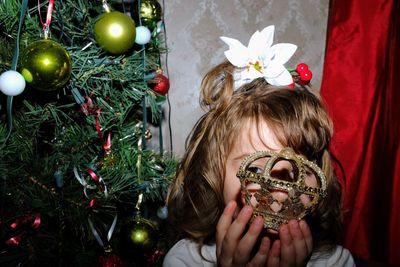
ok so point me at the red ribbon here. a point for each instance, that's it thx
(50, 9)
(98, 128)
(36, 222)
(88, 109)
(14, 241)
(97, 180)
(27, 220)
(106, 145)
(92, 202)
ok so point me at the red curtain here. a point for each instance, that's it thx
(361, 86)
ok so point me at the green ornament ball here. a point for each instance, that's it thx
(115, 32)
(150, 13)
(45, 65)
(138, 235)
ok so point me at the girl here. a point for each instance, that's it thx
(211, 223)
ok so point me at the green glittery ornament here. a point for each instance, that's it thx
(45, 65)
(138, 235)
(149, 11)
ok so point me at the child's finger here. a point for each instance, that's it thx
(262, 254)
(229, 240)
(274, 256)
(299, 242)
(307, 235)
(288, 250)
(239, 224)
(224, 223)
(246, 244)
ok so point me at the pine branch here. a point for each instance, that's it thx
(57, 132)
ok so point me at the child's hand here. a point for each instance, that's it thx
(234, 247)
(293, 247)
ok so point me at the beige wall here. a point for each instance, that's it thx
(193, 29)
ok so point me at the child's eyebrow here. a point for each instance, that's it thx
(241, 156)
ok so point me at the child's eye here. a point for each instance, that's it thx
(283, 174)
(255, 169)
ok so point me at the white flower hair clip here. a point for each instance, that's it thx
(260, 58)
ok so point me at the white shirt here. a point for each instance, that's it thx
(185, 253)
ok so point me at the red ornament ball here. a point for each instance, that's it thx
(109, 259)
(156, 258)
(161, 84)
(301, 67)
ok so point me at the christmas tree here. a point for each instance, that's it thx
(82, 182)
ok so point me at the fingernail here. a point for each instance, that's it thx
(259, 222)
(294, 224)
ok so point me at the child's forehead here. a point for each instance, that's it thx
(255, 135)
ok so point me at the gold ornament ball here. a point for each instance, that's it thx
(115, 32)
(150, 13)
(147, 134)
(45, 65)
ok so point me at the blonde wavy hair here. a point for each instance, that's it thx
(299, 120)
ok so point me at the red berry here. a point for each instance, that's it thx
(291, 85)
(301, 67)
(305, 75)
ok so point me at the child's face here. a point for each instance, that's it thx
(250, 140)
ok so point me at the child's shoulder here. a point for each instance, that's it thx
(338, 256)
(186, 253)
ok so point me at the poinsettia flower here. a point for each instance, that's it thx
(260, 58)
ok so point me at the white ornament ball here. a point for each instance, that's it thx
(143, 35)
(12, 83)
(162, 212)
